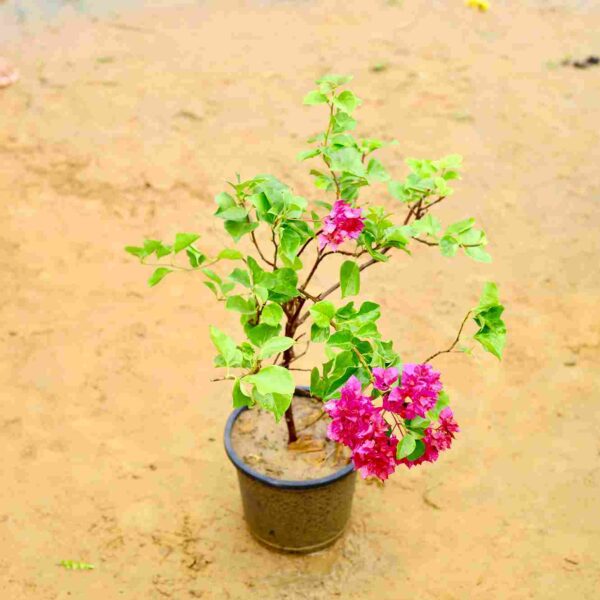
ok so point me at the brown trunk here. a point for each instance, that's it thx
(289, 421)
(288, 356)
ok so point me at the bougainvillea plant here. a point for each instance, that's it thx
(386, 411)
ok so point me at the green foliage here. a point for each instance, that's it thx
(406, 446)
(228, 351)
(272, 389)
(275, 345)
(349, 278)
(427, 178)
(487, 314)
(322, 313)
(272, 314)
(76, 565)
(158, 275)
(272, 291)
(183, 240)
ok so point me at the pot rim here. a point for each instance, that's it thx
(286, 484)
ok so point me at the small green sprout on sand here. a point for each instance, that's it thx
(76, 565)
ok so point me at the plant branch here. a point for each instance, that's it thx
(255, 242)
(313, 421)
(307, 242)
(320, 256)
(276, 248)
(335, 286)
(170, 266)
(452, 346)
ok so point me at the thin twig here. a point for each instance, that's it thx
(276, 248)
(307, 242)
(321, 414)
(255, 242)
(453, 343)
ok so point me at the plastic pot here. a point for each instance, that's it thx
(288, 515)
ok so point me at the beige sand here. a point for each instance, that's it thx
(110, 430)
(262, 443)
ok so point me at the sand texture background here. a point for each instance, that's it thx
(124, 127)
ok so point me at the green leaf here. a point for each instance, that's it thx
(183, 240)
(271, 314)
(314, 97)
(275, 403)
(158, 275)
(155, 246)
(441, 403)
(347, 159)
(347, 102)
(136, 251)
(349, 278)
(418, 451)
(406, 446)
(478, 253)
(195, 257)
(230, 254)
(229, 209)
(240, 276)
(341, 339)
(316, 383)
(259, 334)
(322, 313)
(76, 565)
(281, 284)
(448, 246)
(460, 226)
(272, 379)
(246, 306)
(275, 345)
(376, 171)
(319, 334)
(492, 330)
(489, 296)
(225, 346)
(308, 154)
(334, 80)
(343, 122)
(290, 242)
(212, 287)
(428, 225)
(237, 229)
(397, 190)
(239, 398)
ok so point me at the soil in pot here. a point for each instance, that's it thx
(263, 444)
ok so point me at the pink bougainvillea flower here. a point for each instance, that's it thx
(376, 457)
(342, 223)
(384, 378)
(353, 416)
(418, 392)
(444, 434)
(436, 440)
(358, 424)
(431, 453)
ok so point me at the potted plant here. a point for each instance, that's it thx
(365, 408)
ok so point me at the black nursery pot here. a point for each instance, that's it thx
(293, 516)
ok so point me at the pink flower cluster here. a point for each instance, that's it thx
(417, 393)
(342, 223)
(360, 425)
(436, 440)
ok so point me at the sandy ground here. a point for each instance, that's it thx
(110, 431)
